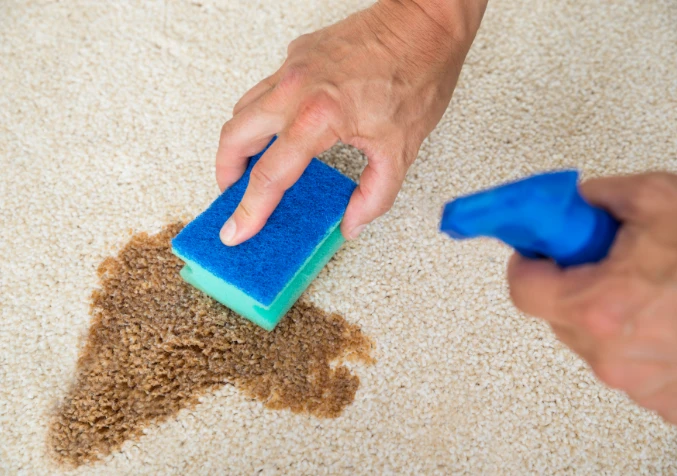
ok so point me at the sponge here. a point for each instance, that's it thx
(263, 277)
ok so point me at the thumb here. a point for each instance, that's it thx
(379, 185)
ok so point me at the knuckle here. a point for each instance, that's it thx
(249, 215)
(226, 131)
(245, 211)
(293, 77)
(262, 179)
(383, 207)
(296, 43)
(318, 110)
(374, 205)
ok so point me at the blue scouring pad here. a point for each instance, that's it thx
(261, 278)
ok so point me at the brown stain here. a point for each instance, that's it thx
(156, 344)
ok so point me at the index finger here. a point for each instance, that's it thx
(535, 286)
(540, 288)
(636, 198)
(246, 134)
(277, 170)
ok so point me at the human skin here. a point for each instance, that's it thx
(619, 315)
(379, 80)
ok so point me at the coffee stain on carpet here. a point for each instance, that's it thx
(156, 344)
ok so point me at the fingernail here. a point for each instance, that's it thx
(356, 231)
(228, 232)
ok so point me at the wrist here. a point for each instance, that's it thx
(460, 19)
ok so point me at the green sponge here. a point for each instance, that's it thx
(263, 277)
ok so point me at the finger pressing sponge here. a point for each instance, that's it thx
(263, 277)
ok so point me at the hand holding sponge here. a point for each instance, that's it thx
(263, 277)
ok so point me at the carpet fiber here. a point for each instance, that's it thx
(109, 121)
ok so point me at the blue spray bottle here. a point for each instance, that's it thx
(542, 216)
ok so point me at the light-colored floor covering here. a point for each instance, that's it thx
(109, 120)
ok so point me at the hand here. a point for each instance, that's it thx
(379, 80)
(621, 314)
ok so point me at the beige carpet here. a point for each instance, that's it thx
(109, 120)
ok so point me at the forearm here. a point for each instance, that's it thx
(436, 24)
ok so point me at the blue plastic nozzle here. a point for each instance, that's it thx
(542, 216)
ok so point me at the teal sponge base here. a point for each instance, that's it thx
(269, 316)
